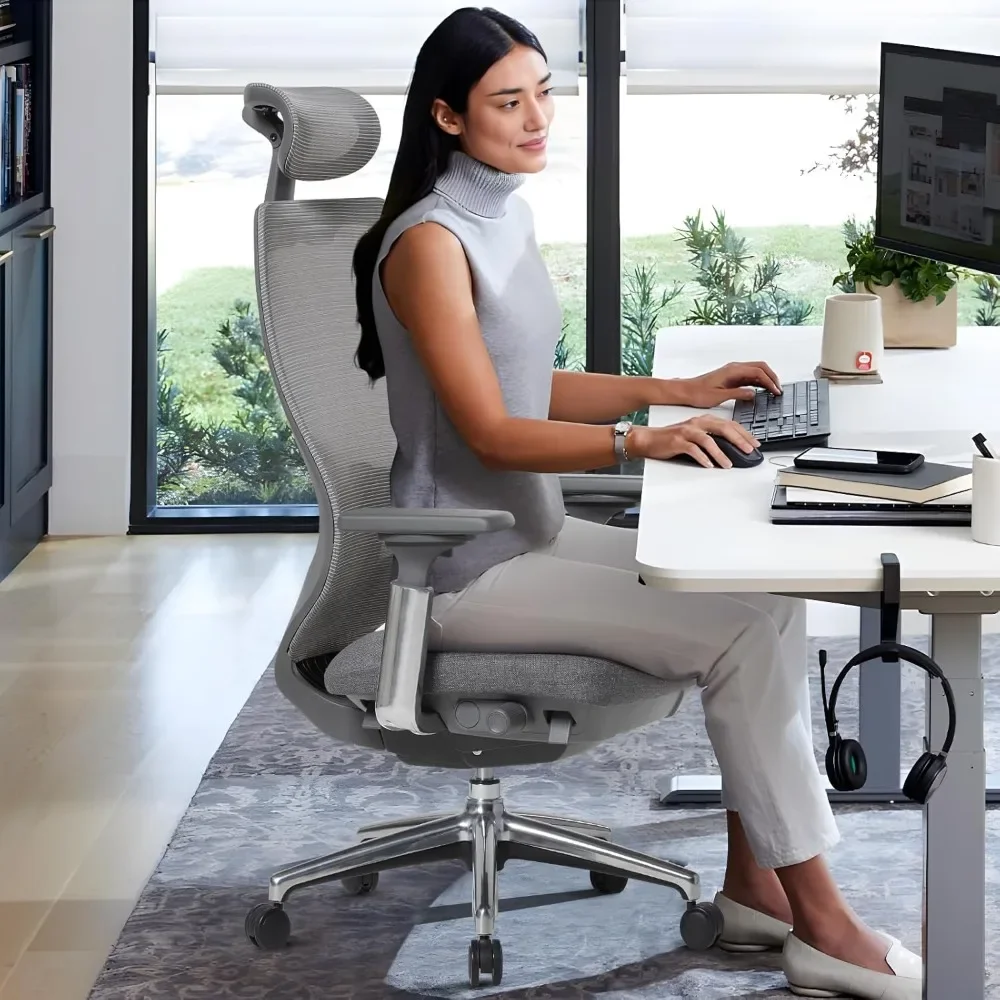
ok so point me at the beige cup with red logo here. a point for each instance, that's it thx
(852, 333)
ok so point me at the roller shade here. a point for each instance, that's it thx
(367, 45)
(790, 46)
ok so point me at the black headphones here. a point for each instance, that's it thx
(846, 766)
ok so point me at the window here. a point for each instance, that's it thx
(221, 443)
(558, 199)
(735, 122)
(706, 170)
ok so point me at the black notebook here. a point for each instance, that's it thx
(860, 512)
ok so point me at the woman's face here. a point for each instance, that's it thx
(510, 109)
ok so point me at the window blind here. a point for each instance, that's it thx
(218, 46)
(790, 46)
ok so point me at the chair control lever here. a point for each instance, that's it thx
(494, 718)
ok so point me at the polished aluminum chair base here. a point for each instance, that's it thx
(485, 835)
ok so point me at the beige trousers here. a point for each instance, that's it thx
(747, 653)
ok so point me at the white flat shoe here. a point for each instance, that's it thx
(746, 929)
(810, 973)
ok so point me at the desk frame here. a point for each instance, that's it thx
(955, 818)
(954, 821)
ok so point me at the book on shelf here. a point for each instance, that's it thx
(927, 483)
(16, 163)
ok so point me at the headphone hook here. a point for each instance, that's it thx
(889, 603)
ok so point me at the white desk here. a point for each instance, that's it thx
(708, 530)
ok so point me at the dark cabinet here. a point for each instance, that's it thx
(31, 364)
(26, 259)
(6, 324)
(27, 236)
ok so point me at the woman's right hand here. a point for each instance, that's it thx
(692, 438)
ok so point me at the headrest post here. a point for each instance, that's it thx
(279, 186)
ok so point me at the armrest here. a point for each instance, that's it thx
(415, 537)
(389, 521)
(574, 484)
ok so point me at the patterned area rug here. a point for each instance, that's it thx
(278, 791)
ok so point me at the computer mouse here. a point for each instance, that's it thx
(739, 458)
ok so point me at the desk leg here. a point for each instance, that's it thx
(955, 820)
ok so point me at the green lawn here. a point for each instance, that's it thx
(193, 309)
(811, 255)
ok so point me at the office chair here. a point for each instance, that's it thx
(354, 656)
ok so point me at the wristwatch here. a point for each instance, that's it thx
(622, 429)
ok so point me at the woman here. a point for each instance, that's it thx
(457, 311)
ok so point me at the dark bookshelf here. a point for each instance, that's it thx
(33, 200)
(13, 52)
(27, 247)
(25, 27)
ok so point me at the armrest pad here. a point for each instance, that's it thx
(596, 485)
(425, 521)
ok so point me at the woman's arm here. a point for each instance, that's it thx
(427, 282)
(594, 398)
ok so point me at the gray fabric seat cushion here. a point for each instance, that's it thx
(553, 676)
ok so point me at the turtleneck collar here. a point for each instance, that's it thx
(476, 186)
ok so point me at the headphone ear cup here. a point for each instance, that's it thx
(846, 766)
(832, 763)
(924, 777)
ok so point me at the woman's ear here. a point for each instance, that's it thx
(446, 119)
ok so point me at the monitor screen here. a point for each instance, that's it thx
(939, 156)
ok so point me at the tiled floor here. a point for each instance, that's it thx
(122, 663)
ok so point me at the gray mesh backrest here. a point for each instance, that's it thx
(308, 324)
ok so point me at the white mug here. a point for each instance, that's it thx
(852, 333)
(986, 500)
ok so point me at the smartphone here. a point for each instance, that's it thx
(859, 460)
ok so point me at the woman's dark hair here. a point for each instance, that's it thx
(455, 56)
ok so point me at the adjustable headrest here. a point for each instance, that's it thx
(321, 133)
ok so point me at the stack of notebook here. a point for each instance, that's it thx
(930, 494)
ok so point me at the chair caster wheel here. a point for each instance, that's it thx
(268, 927)
(608, 884)
(360, 885)
(485, 956)
(701, 926)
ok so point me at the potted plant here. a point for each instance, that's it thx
(919, 296)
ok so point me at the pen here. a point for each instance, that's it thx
(984, 449)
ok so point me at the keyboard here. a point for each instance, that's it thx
(799, 417)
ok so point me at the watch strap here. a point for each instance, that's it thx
(622, 429)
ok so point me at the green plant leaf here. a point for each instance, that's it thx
(868, 264)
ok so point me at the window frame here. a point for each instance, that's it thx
(601, 62)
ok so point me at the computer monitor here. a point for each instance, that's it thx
(938, 174)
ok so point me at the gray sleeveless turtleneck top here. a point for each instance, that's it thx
(521, 320)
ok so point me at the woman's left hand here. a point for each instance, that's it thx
(732, 381)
